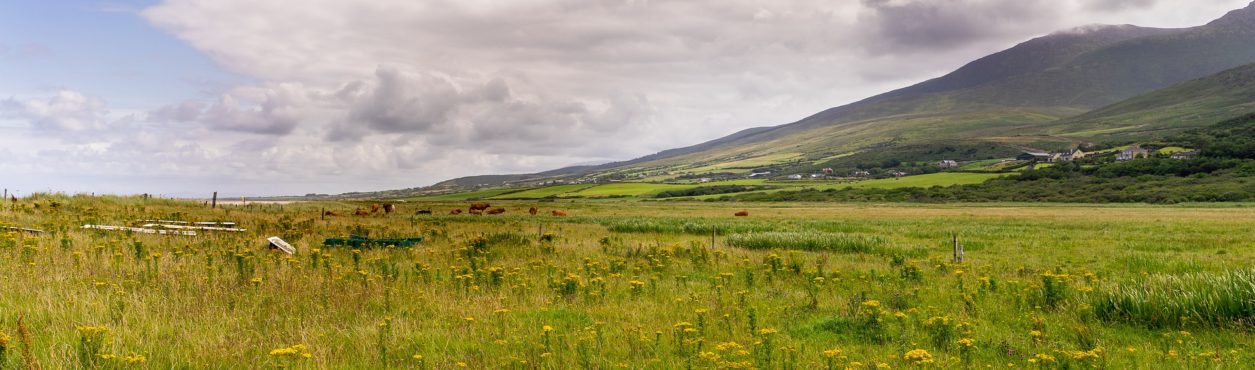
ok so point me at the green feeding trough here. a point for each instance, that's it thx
(357, 241)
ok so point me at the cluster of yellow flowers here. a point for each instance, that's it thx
(294, 352)
(918, 357)
(1041, 358)
(1084, 355)
(94, 334)
(130, 359)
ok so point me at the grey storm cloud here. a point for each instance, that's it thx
(909, 25)
(1118, 5)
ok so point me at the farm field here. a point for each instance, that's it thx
(631, 285)
(641, 190)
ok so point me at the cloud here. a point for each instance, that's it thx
(279, 112)
(927, 25)
(1118, 5)
(362, 95)
(67, 110)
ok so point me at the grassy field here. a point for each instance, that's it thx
(641, 190)
(631, 285)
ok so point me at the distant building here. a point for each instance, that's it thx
(861, 174)
(704, 179)
(795, 177)
(1034, 156)
(757, 174)
(948, 164)
(899, 174)
(1184, 155)
(827, 170)
(1132, 153)
(817, 175)
(1072, 155)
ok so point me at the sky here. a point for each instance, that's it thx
(269, 97)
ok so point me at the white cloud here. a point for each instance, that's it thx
(66, 110)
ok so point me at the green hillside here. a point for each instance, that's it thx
(1192, 104)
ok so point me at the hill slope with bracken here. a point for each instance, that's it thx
(1046, 92)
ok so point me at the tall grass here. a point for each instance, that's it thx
(1159, 301)
(810, 241)
(681, 226)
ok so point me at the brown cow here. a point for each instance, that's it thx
(360, 212)
(479, 206)
(330, 213)
(456, 211)
(742, 213)
(496, 211)
(533, 211)
(389, 208)
(374, 208)
(476, 211)
(558, 213)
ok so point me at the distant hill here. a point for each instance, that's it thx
(1191, 104)
(1054, 91)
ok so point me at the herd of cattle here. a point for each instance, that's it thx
(474, 209)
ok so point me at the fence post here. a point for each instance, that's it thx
(215, 201)
(712, 237)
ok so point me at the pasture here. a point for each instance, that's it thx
(634, 285)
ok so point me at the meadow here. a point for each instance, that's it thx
(635, 285)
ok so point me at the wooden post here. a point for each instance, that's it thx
(954, 250)
(322, 215)
(215, 201)
(6, 194)
(540, 231)
(712, 238)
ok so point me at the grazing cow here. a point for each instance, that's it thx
(479, 206)
(742, 213)
(475, 211)
(496, 211)
(533, 211)
(389, 208)
(456, 211)
(558, 213)
(425, 211)
(360, 212)
(13, 198)
(330, 213)
(374, 208)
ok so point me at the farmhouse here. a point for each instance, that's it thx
(861, 174)
(827, 170)
(1132, 153)
(795, 177)
(1072, 156)
(948, 164)
(757, 174)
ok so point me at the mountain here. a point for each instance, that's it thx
(1195, 103)
(1053, 91)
